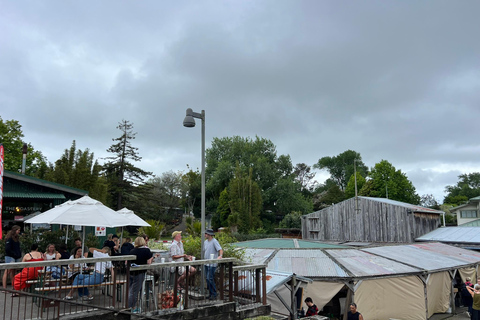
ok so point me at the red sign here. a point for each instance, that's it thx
(1, 189)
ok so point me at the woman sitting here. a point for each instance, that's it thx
(31, 273)
(75, 269)
(97, 277)
(52, 254)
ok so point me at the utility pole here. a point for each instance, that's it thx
(355, 176)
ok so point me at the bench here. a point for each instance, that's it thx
(68, 287)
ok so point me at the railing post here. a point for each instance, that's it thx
(264, 286)
(129, 263)
(185, 300)
(257, 285)
(222, 280)
(114, 289)
(235, 284)
(230, 280)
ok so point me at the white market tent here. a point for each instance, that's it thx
(411, 281)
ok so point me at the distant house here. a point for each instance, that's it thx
(370, 219)
(467, 212)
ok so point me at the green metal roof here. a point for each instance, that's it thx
(33, 195)
(287, 244)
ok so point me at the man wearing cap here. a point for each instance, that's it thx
(211, 247)
(178, 255)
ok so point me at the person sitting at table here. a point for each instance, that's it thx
(52, 254)
(96, 277)
(178, 255)
(75, 269)
(30, 273)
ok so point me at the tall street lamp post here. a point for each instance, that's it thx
(189, 122)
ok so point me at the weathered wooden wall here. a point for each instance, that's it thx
(373, 222)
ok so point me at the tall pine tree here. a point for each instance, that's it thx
(121, 173)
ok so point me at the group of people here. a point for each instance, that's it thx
(312, 310)
(78, 274)
(471, 298)
(211, 249)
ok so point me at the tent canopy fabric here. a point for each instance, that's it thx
(82, 212)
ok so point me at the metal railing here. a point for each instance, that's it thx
(47, 284)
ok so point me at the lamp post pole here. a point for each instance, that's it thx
(189, 122)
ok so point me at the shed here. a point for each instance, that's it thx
(370, 219)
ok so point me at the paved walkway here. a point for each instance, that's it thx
(460, 314)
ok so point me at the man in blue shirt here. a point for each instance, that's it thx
(211, 247)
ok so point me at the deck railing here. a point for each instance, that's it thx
(47, 285)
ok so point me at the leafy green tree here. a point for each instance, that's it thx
(466, 188)
(246, 200)
(287, 197)
(168, 189)
(11, 136)
(429, 201)
(223, 209)
(327, 198)
(154, 231)
(350, 189)
(341, 167)
(292, 220)
(304, 177)
(78, 169)
(388, 182)
(259, 154)
(192, 191)
(122, 174)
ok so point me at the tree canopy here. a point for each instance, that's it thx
(467, 187)
(341, 167)
(388, 182)
(11, 136)
(120, 170)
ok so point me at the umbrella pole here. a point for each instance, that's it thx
(83, 242)
(66, 237)
(121, 238)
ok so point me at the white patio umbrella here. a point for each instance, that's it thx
(133, 218)
(85, 212)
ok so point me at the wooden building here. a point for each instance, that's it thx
(369, 219)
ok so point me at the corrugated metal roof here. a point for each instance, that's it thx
(309, 263)
(418, 256)
(413, 207)
(460, 254)
(474, 223)
(258, 256)
(286, 244)
(34, 195)
(363, 264)
(453, 235)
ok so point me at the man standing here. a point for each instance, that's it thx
(353, 314)
(211, 247)
(178, 255)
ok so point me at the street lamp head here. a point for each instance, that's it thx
(189, 121)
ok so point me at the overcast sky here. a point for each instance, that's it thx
(393, 80)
